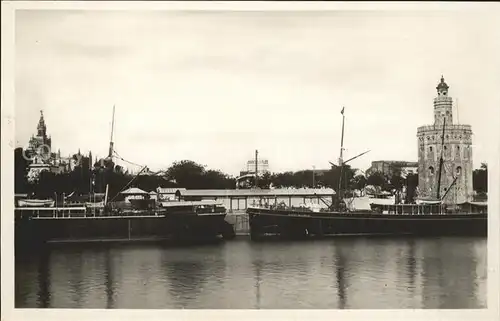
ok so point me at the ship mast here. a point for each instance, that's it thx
(256, 169)
(341, 159)
(341, 162)
(440, 162)
(110, 153)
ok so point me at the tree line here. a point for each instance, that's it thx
(87, 177)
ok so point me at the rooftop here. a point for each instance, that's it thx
(134, 191)
(257, 192)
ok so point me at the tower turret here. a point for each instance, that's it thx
(443, 105)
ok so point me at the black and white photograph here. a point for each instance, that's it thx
(251, 157)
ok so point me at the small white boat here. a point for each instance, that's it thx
(35, 203)
(94, 204)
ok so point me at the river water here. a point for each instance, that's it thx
(367, 273)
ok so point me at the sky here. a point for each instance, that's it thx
(213, 87)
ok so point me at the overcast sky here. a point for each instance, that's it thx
(214, 86)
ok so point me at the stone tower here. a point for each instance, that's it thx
(456, 149)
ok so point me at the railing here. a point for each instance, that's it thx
(86, 212)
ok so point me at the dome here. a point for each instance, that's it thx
(442, 84)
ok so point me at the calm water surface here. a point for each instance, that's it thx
(337, 273)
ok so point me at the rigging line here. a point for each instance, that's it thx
(154, 173)
(121, 158)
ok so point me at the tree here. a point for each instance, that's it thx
(265, 180)
(376, 179)
(480, 179)
(186, 173)
(303, 178)
(215, 179)
(281, 180)
(411, 188)
(358, 182)
(20, 172)
(395, 180)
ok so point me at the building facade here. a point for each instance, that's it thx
(262, 167)
(386, 167)
(40, 155)
(455, 147)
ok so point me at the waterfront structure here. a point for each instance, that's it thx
(167, 194)
(134, 193)
(386, 167)
(238, 200)
(455, 179)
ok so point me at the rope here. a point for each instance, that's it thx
(121, 158)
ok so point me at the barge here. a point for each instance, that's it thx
(174, 221)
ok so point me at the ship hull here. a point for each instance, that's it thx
(296, 225)
(31, 232)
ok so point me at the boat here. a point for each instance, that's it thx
(426, 217)
(197, 221)
(35, 203)
(88, 219)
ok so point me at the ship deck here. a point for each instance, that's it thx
(79, 213)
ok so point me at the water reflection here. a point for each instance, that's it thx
(449, 274)
(411, 264)
(258, 279)
(44, 280)
(340, 273)
(109, 281)
(76, 278)
(340, 265)
(189, 272)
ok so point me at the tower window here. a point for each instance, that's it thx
(430, 148)
(445, 148)
(431, 170)
(458, 147)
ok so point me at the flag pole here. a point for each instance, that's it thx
(341, 162)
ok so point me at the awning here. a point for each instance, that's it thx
(134, 191)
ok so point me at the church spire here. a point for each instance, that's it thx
(41, 128)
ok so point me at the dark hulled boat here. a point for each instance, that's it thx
(411, 219)
(170, 221)
(80, 219)
(432, 217)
